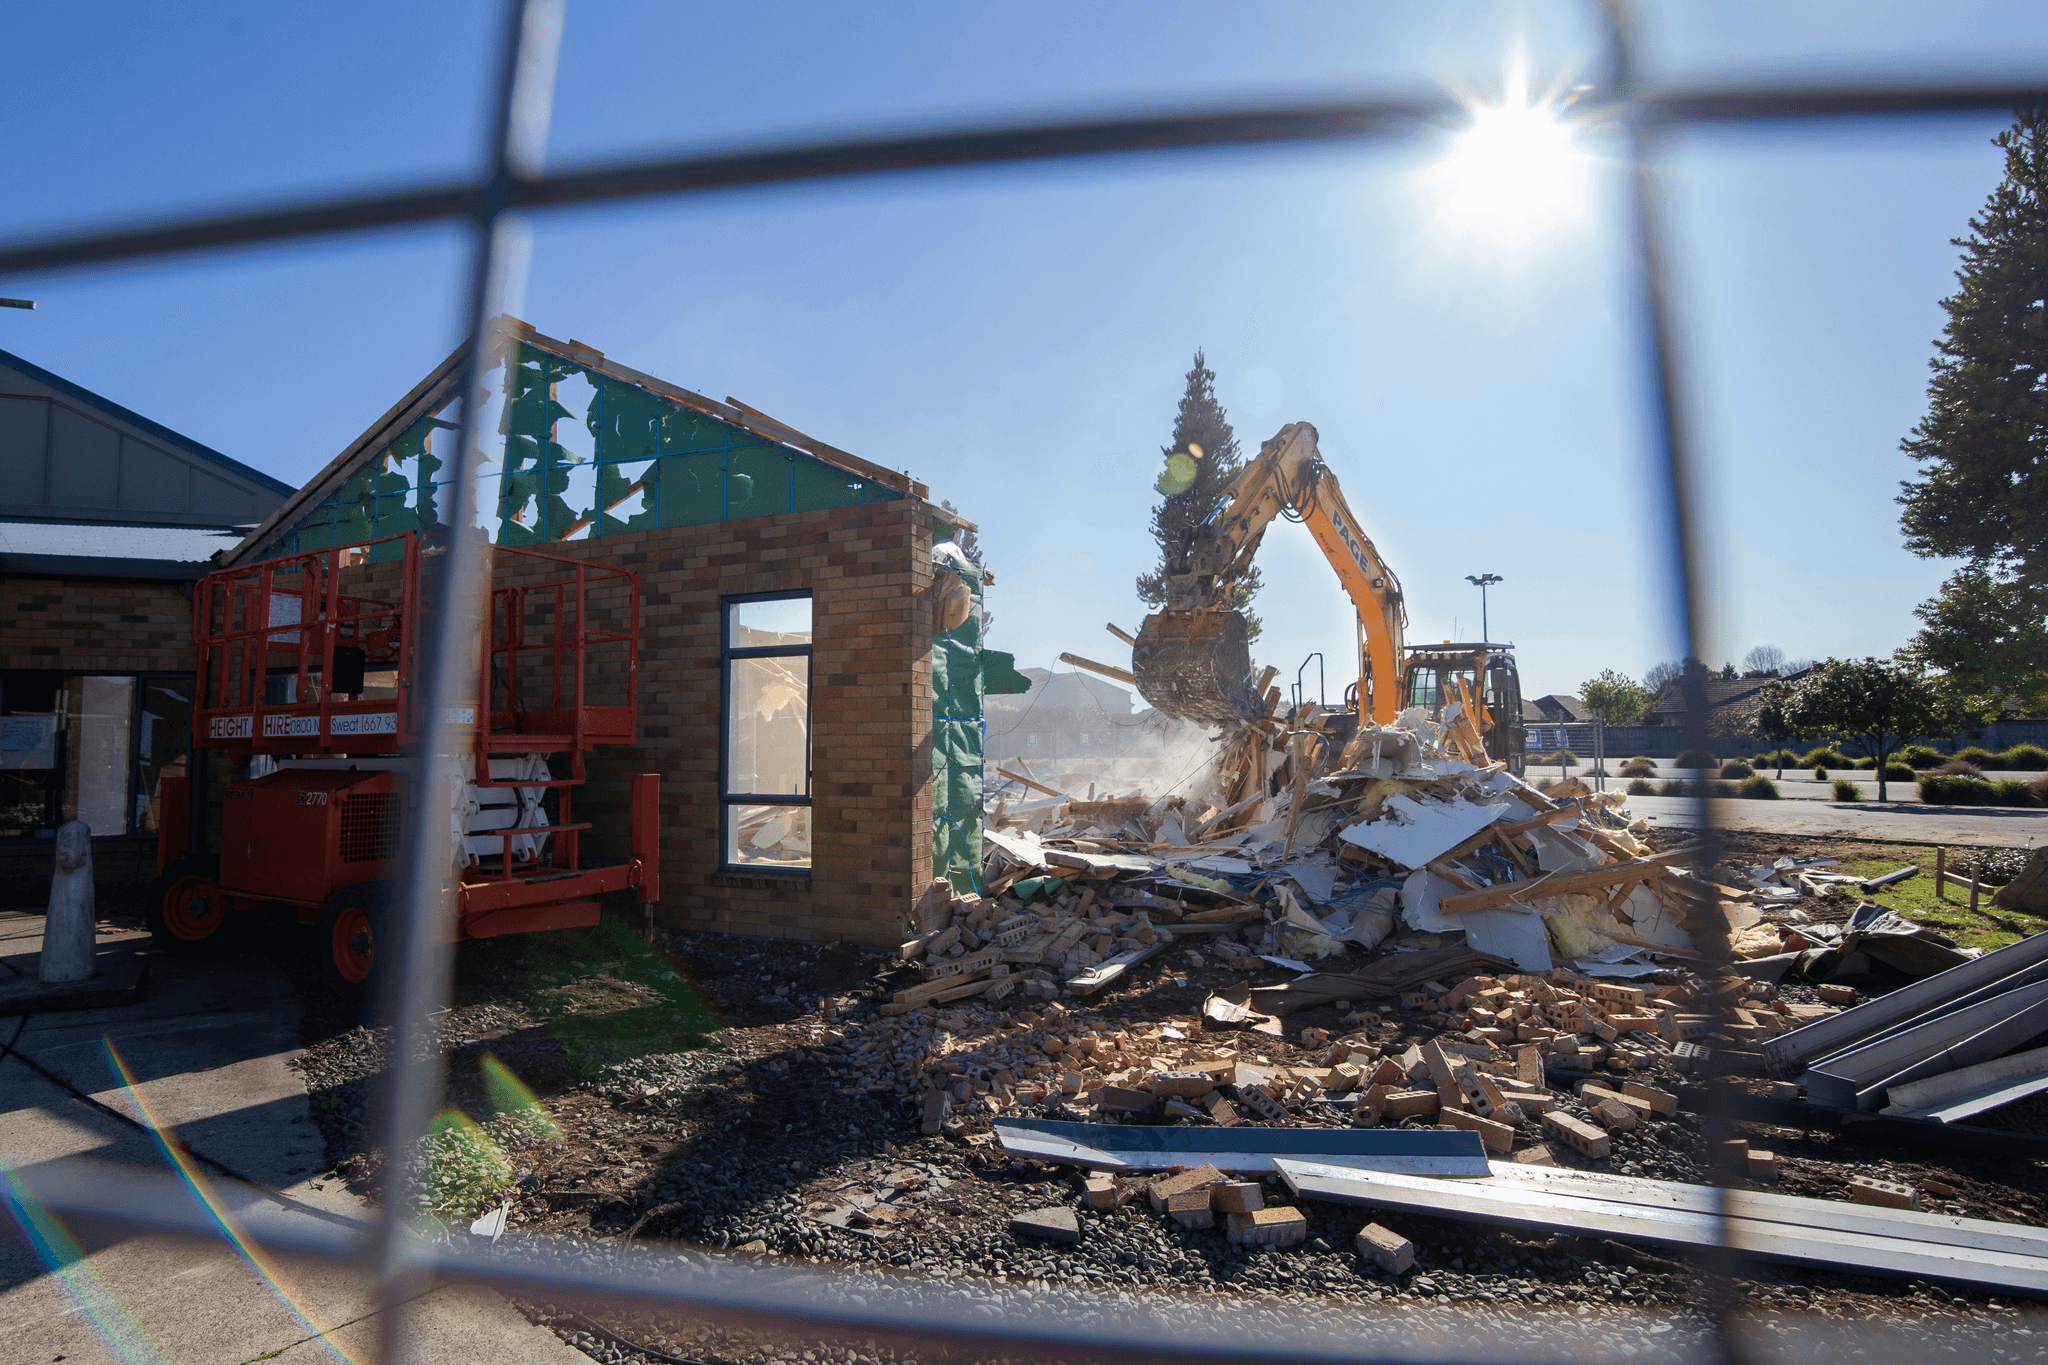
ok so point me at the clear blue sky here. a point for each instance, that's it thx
(1018, 339)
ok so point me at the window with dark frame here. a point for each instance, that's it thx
(765, 740)
(89, 746)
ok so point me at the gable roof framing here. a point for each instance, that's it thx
(433, 392)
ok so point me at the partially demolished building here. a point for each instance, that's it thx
(808, 645)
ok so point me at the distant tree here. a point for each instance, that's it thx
(1615, 696)
(1981, 493)
(1764, 659)
(1728, 673)
(1661, 674)
(1772, 718)
(1879, 703)
(1201, 430)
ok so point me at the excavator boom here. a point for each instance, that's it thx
(1193, 659)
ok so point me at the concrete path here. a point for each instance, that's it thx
(1974, 826)
(208, 1046)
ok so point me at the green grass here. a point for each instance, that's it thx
(608, 996)
(1991, 927)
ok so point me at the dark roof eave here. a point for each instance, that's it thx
(94, 566)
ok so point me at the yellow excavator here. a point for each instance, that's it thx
(1193, 659)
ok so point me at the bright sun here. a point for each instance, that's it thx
(1514, 171)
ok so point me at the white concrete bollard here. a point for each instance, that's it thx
(68, 931)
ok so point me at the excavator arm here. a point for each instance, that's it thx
(1193, 659)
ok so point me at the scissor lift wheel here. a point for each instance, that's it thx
(187, 912)
(351, 924)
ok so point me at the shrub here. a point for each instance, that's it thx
(1642, 787)
(1955, 791)
(1757, 787)
(1563, 757)
(1735, 767)
(2039, 786)
(1920, 756)
(1899, 772)
(1957, 768)
(2028, 758)
(1636, 767)
(2013, 791)
(1978, 755)
(1820, 774)
(1671, 788)
(1845, 790)
(1824, 758)
(1645, 760)
(1696, 758)
(1865, 765)
(1722, 789)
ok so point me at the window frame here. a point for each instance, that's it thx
(727, 798)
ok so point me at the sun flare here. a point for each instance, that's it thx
(1516, 169)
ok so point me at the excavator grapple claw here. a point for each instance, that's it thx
(1197, 665)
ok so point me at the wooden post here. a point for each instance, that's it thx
(1940, 871)
(1976, 872)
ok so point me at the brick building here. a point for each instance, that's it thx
(106, 518)
(791, 617)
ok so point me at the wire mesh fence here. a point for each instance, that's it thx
(868, 1311)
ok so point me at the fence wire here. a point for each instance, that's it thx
(909, 1315)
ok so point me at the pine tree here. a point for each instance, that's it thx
(1982, 490)
(1202, 429)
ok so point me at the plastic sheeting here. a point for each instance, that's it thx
(957, 741)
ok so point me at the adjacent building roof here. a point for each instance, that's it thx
(1715, 693)
(72, 455)
(95, 549)
(1562, 707)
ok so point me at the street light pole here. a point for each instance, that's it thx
(1483, 581)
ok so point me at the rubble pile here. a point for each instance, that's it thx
(1477, 937)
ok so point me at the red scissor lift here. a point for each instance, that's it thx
(316, 686)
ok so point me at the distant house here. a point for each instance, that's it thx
(1723, 699)
(1560, 709)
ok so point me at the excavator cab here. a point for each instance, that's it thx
(1488, 672)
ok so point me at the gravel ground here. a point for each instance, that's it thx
(741, 1150)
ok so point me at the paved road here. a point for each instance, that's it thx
(1967, 826)
(208, 1045)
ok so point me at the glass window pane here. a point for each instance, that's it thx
(28, 753)
(100, 713)
(163, 739)
(768, 739)
(766, 625)
(768, 836)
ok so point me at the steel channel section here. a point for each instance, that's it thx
(1792, 1210)
(1133, 1147)
(1787, 1051)
(1836, 1080)
(1554, 1211)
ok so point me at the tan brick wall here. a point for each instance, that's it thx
(867, 568)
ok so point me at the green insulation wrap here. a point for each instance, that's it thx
(956, 746)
